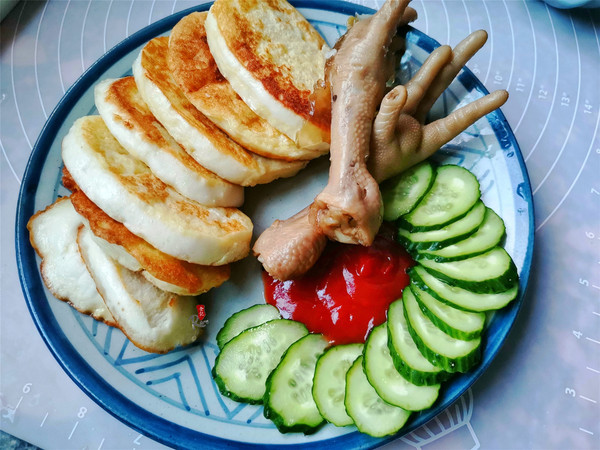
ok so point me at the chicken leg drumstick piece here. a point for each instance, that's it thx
(349, 208)
(284, 257)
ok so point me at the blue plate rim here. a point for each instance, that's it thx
(91, 382)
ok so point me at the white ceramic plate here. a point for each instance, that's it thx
(172, 398)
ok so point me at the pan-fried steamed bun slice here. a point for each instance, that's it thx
(196, 73)
(197, 134)
(130, 121)
(275, 60)
(53, 235)
(125, 189)
(167, 273)
(154, 320)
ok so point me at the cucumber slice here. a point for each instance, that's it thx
(245, 362)
(244, 319)
(453, 355)
(407, 358)
(461, 298)
(367, 409)
(454, 232)
(454, 192)
(454, 322)
(487, 236)
(391, 386)
(329, 384)
(490, 272)
(288, 399)
(400, 194)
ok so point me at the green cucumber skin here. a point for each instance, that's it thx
(422, 254)
(418, 281)
(404, 221)
(492, 286)
(275, 416)
(463, 365)
(415, 376)
(415, 248)
(450, 331)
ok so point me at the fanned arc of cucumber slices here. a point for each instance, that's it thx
(433, 331)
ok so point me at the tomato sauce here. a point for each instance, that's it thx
(348, 291)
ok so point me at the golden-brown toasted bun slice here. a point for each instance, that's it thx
(154, 320)
(197, 134)
(125, 189)
(196, 73)
(168, 273)
(130, 121)
(53, 235)
(275, 60)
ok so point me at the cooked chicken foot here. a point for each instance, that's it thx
(283, 260)
(400, 139)
(349, 208)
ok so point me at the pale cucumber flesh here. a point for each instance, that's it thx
(400, 194)
(244, 319)
(370, 413)
(329, 385)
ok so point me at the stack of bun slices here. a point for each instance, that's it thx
(157, 177)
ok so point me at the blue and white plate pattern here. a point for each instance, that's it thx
(172, 398)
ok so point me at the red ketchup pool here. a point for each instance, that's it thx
(348, 291)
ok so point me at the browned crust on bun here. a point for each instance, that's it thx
(194, 69)
(194, 278)
(154, 61)
(245, 40)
